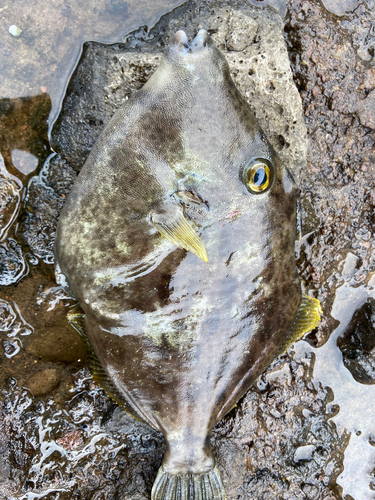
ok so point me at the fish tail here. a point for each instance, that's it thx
(189, 486)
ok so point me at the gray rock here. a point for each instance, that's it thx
(304, 453)
(340, 7)
(357, 344)
(41, 213)
(366, 111)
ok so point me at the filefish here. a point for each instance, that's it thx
(177, 240)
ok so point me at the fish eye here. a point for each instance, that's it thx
(258, 175)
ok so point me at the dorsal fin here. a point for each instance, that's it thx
(172, 224)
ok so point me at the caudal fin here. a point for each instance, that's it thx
(207, 486)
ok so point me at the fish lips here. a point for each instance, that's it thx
(181, 42)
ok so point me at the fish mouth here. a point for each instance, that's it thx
(181, 42)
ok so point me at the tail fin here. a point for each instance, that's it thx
(206, 486)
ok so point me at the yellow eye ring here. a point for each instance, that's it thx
(258, 175)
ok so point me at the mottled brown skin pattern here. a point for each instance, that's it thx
(181, 338)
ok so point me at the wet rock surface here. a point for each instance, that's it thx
(366, 111)
(340, 177)
(37, 228)
(12, 263)
(281, 441)
(43, 382)
(357, 344)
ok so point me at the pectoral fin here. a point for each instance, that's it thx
(307, 318)
(172, 224)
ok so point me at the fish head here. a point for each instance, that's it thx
(222, 170)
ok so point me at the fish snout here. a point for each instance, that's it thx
(201, 40)
(180, 41)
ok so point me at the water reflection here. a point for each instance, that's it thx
(24, 162)
(24, 134)
(44, 54)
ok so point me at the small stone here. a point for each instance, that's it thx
(15, 30)
(369, 82)
(316, 90)
(43, 382)
(72, 440)
(350, 266)
(340, 7)
(366, 111)
(241, 34)
(304, 453)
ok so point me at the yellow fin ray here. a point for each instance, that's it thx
(307, 318)
(178, 231)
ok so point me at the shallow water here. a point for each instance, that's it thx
(62, 425)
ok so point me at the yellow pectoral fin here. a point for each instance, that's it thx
(176, 229)
(307, 318)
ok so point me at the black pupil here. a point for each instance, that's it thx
(260, 177)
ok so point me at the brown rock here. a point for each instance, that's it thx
(72, 440)
(43, 382)
(366, 110)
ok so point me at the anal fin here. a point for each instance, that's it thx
(77, 321)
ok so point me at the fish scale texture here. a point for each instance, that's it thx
(189, 486)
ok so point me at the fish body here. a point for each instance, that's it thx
(177, 240)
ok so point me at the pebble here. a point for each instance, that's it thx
(43, 382)
(14, 30)
(304, 453)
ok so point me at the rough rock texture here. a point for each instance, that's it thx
(366, 111)
(357, 344)
(38, 226)
(280, 441)
(340, 177)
